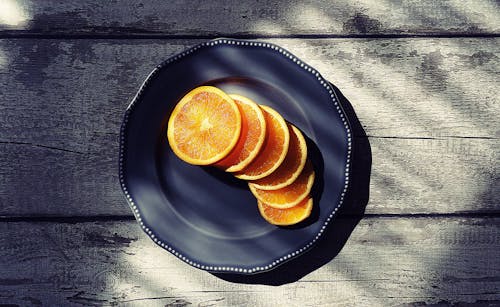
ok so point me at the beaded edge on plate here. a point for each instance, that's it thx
(294, 59)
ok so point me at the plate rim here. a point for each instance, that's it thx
(238, 42)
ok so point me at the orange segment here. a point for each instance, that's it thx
(288, 216)
(274, 150)
(253, 134)
(291, 167)
(290, 195)
(204, 126)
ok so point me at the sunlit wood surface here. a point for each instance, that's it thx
(422, 76)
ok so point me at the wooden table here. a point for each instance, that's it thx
(422, 77)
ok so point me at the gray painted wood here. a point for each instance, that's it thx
(429, 106)
(228, 18)
(385, 262)
(398, 87)
(408, 176)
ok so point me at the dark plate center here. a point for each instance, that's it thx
(198, 192)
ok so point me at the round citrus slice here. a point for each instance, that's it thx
(290, 195)
(284, 217)
(274, 149)
(253, 134)
(291, 167)
(204, 126)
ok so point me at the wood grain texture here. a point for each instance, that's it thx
(398, 87)
(386, 262)
(429, 106)
(222, 18)
(409, 176)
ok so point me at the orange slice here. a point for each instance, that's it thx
(284, 217)
(253, 134)
(290, 195)
(291, 167)
(274, 150)
(204, 126)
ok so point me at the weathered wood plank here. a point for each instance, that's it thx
(413, 87)
(385, 262)
(195, 17)
(430, 106)
(408, 176)
(398, 87)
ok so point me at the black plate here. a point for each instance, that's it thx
(206, 217)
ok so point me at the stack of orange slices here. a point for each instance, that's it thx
(252, 141)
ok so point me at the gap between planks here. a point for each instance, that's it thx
(25, 35)
(125, 218)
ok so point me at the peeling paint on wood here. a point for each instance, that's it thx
(408, 176)
(386, 261)
(195, 17)
(429, 106)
